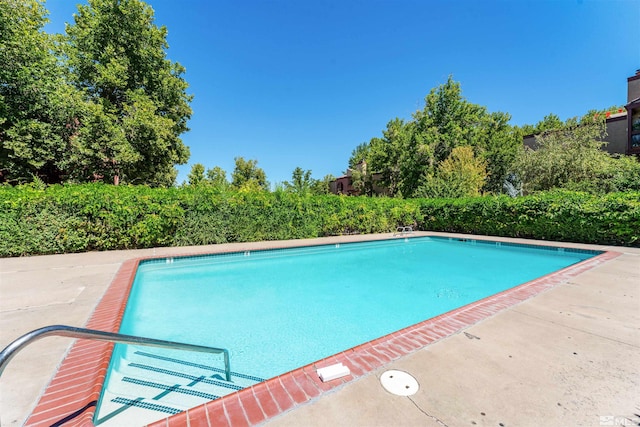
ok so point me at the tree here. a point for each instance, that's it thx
(359, 154)
(399, 157)
(461, 174)
(196, 175)
(564, 157)
(247, 175)
(217, 177)
(38, 109)
(301, 181)
(448, 120)
(138, 105)
(322, 186)
(549, 122)
(409, 153)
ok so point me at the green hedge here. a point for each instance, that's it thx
(612, 219)
(75, 218)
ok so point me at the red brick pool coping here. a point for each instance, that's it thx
(71, 397)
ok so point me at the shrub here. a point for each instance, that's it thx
(75, 218)
(561, 215)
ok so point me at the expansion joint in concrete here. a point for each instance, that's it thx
(577, 329)
(433, 417)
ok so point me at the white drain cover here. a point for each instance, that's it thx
(399, 383)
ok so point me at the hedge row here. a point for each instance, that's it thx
(76, 218)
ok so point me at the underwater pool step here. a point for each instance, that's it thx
(144, 404)
(195, 378)
(148, 399)
(176, 388)
(149, 386)
(165, 389)
(130, 410)
(198, 365)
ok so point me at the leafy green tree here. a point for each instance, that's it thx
(399, 157)
(461, 174)
(448, 120)
(361, 180)
(138, 101)
(552, 122)
(196, 175)
(570, 155)
(359, 154)
(247, 175)
(322, 186)
(38, 109)
(217, 177)
(621, 174)
(301, 181)
(410, 152)
(549, 122)
(564, 157)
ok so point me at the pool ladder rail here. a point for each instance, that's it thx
(403, 230)
(72, 332)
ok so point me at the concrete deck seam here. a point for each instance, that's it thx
(577, 329)
(433, 417)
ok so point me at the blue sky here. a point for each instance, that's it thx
(301, 83)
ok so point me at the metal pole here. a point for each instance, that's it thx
(72, 332)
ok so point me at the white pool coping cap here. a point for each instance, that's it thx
(333, 372)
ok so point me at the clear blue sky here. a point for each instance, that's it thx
(302, 83)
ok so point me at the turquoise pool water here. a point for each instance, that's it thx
(277, 310)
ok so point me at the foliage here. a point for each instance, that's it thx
(359, 155)
(412, 158)
(322, 186)
(560, 215)
(611, 174)
(459, 175)
(137, 101)
(248, 176)
(549, 122)
(74, 218)
(362, 181)
(303, 183)
(398, 158)
(552, 122)
(99, 103)
(38, 109)
(217, 177)
(409, 153)
(196, 175)
(36, 219)
(573, 158)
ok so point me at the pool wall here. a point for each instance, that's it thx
(71, 397)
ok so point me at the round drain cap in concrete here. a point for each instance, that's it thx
(399, 383)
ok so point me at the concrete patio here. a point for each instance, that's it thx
(569, 356)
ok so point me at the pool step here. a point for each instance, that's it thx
(147, 387)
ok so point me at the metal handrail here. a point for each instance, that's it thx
(72, 332)
(402, 230)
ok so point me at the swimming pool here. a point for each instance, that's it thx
(350, 293)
